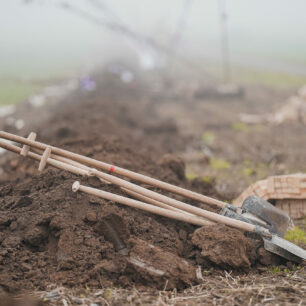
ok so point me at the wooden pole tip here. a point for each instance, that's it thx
(92, 171)
(75, 186)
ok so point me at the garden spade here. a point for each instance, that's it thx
(272, 242)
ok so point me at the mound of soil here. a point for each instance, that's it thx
(50, 235)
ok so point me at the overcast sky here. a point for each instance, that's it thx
(41, 39)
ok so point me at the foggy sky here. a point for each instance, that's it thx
(38, 39)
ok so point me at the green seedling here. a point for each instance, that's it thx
(108, 293)
(219, 164)
(247, 171)
(206, 179)
(240, 127)
(208, 137)
(275, 270)
(297, 235)
(191, 176)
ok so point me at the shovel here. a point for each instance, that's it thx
(272, 242)
(259, 212)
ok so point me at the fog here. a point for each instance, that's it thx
(40, 39)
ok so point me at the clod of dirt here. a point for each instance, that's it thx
(268, 259)
(153, 264)
(175, 164)
(223, 246)
(35, 236)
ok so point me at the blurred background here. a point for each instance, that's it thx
(264, 41)
(196, 78)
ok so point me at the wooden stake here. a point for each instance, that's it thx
(140, 205)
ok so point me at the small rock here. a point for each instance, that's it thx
(13, 226)
(91, 216)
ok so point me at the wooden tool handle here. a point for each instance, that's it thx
(67, 164)
(158, 197)
(118, 170)
(174, 203)
(140, 205)
(122, 183)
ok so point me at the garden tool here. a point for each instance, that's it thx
(255, 212)
(272, 242)
(196, 215)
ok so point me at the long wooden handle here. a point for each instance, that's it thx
(118, 170)
(131, 192)
(50, 161)
(140, 205)
(175, 203)
(80, 169)
(143, 191)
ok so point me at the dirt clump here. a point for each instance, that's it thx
(168, 271)
(174, 163)
(229, 248)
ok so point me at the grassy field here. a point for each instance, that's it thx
(269, 78)
(15, 91)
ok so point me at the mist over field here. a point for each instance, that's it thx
(40, 39)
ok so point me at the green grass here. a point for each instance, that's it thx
(13, 92)
(268, 78)
(208, 137)
(191, 176)
(297, 235)
(207, 179)
(240, 127)
(219, 164)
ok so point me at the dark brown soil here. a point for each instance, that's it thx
(49, 235)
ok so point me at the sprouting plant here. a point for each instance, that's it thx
(297, 235)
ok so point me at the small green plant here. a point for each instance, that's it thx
(208, 137)
(108, 293)
(247, 171)
(206, 179)
(275, 270)
(191, 176)
(219, 164)
(297, 235)
(240, 127)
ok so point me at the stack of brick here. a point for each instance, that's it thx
(287, 192)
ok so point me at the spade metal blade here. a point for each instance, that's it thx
(284, 248)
